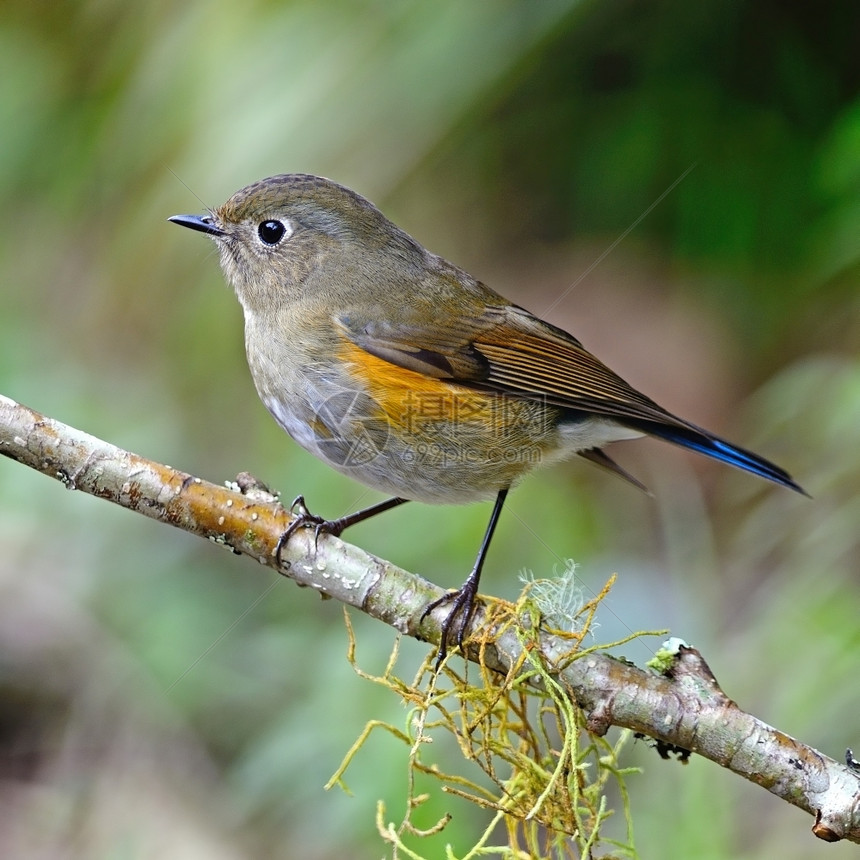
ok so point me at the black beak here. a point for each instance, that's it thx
(202, 223)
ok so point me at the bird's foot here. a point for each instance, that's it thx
(304, 519)
(453, 630)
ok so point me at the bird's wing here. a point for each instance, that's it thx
(504, 348)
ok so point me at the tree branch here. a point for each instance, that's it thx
(682, 707)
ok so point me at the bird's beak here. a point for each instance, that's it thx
(202, 223)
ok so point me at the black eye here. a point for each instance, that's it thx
(271, 232)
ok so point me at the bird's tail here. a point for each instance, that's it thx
(696, 439)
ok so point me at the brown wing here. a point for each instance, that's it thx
(506, 349)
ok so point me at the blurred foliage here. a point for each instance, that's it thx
(159, 697)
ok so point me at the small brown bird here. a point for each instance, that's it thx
(409, 375)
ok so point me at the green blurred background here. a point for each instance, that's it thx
(159, 697)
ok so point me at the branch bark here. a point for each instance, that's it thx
(683, 707)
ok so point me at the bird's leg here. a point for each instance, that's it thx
(304, 519)
(463, 599)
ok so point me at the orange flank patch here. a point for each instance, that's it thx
(409, 399)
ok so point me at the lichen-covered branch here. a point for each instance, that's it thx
(682, 706)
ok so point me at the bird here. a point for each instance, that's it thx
(408, 374)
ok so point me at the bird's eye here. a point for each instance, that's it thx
(271, 232)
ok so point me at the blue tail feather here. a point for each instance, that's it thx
(712, 446)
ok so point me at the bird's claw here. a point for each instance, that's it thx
(454, 626)
(304, 519)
